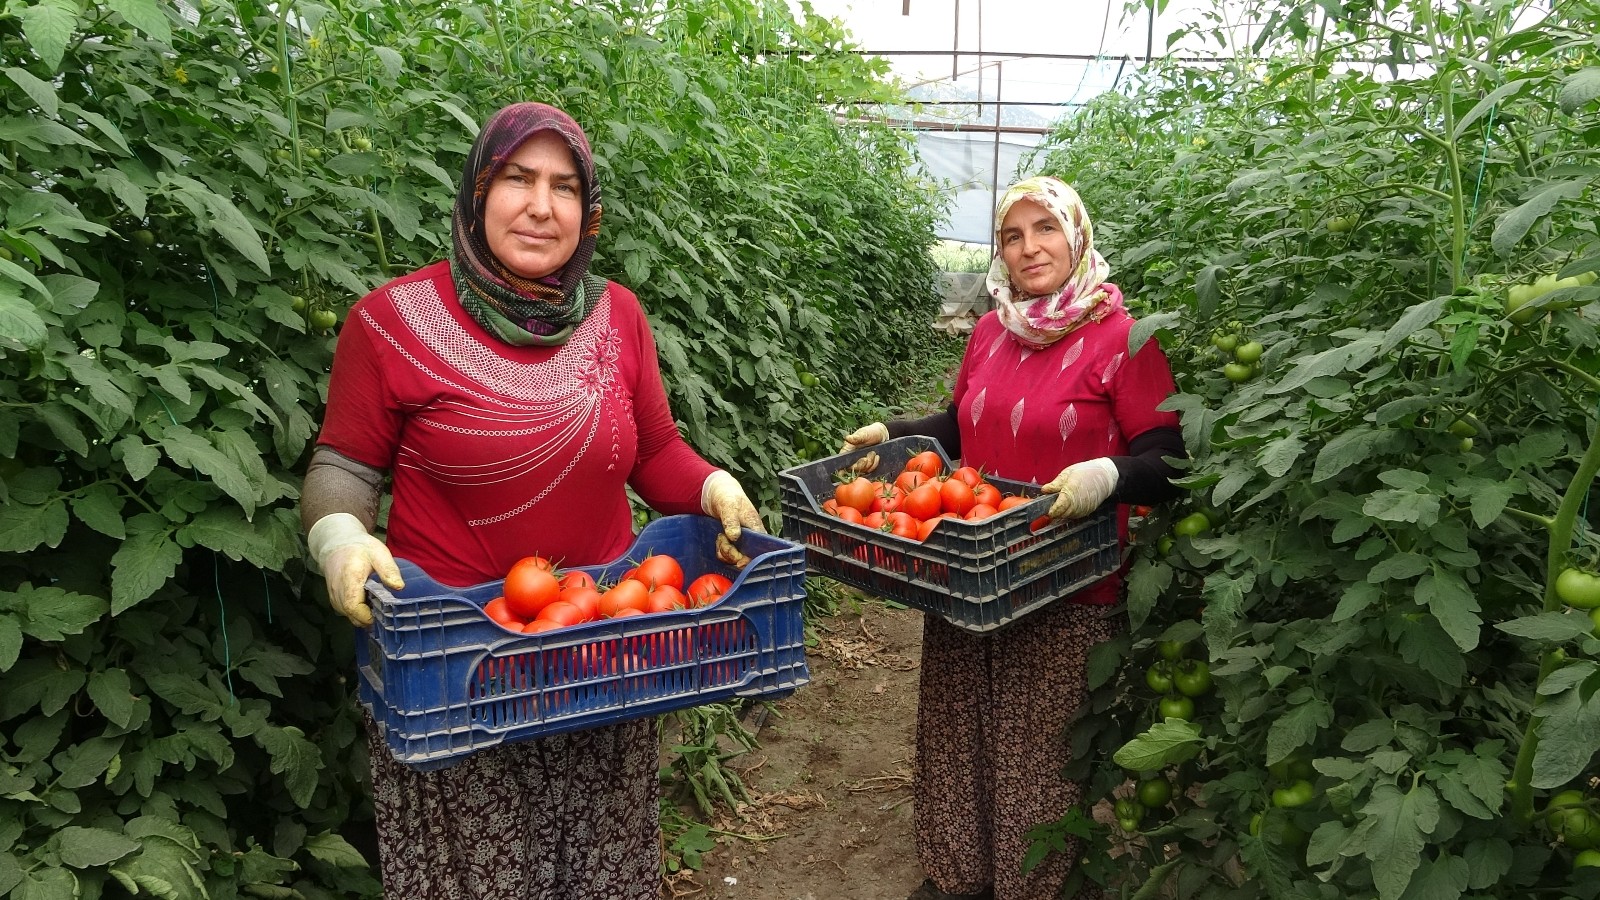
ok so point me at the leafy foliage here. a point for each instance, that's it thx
(188, 205)
(1392, 482)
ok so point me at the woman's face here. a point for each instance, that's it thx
(534, 209)
(1035, 249)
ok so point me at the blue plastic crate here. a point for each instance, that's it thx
(976, 575)
(443, 680)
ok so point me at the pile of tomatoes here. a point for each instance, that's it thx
(919, 498)
(540, 597)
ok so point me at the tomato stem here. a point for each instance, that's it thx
(1555, 555)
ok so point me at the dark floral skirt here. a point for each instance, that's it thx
(569, 816)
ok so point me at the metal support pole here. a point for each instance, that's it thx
(994, 186)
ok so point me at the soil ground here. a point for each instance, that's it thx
(831, 779)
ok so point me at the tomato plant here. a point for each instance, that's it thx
(1192, 678)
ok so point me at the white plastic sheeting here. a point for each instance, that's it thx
(966, 160)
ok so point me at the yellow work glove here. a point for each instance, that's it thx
(347, 554)
(865, 436)
(1081, 488)
(722, 498)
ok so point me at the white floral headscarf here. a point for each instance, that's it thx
(1085, 297)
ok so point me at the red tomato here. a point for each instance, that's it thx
(927, 462)
(659, 569)
(705, 590)
(586, 599)
(986, 494)
(530, 588)
(876, 521)
(538, 625)
(576, 578)
(1040, 524)
(888, 499)
(830, 506)
(927, 526)
(956, 496)
(497, 610)
(967, 474)
(856, 494)
(903, 525)
(665, 598)
(909, 480)
(628, 594)
(562, 613)
(850, 514)
(538, 562)
(924, 502)
(979, 512)
(627, 611)
(1010, 501)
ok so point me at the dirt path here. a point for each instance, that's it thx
(832, 777)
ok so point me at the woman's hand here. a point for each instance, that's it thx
(865, 436)
(347, 554)
(1081, 488)
(722, 498)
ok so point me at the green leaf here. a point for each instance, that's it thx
(20, 324)
(335, 850)
(1443, 878)
(1147, 582)
(1146, 326)
(1399, 829)
(296, 758)
(24, 528)
(1551, 627)
(51, 613)
(48, 26)
(1568, 728)
(40, 92)
(1402, 506)
(113, 696)
(10, 870)
(1297, 727)
(10, 641)
(1399, 567)
(1410, 322)
(38, 682)
(83, 763)
(1514, 224)
(225, 219)
(138, 457)
(144, 562)
(1578, 89)
(1279, 456)
(262, 665)
(1164, 744)
(47, 883)
(145, 15)
(1488, 861)
(99, 506)
(186, 693)
(1453, 604)
(1488, 102)
(191, 450)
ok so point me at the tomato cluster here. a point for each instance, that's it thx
(918, 498)
(537, 596)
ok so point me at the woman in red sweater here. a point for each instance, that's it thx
(1048, 392)
(511, 396)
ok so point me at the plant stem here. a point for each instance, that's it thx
(1555, 556)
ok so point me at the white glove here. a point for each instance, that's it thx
(347, 554)
(722, 498)
(865, 436)
(1081, 487)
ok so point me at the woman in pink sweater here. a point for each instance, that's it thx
(1048, 392)
(511, 396)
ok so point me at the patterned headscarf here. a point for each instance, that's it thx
(518, 310)
(1040, 321)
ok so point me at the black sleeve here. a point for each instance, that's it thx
(941, 426)
(1144, 477)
